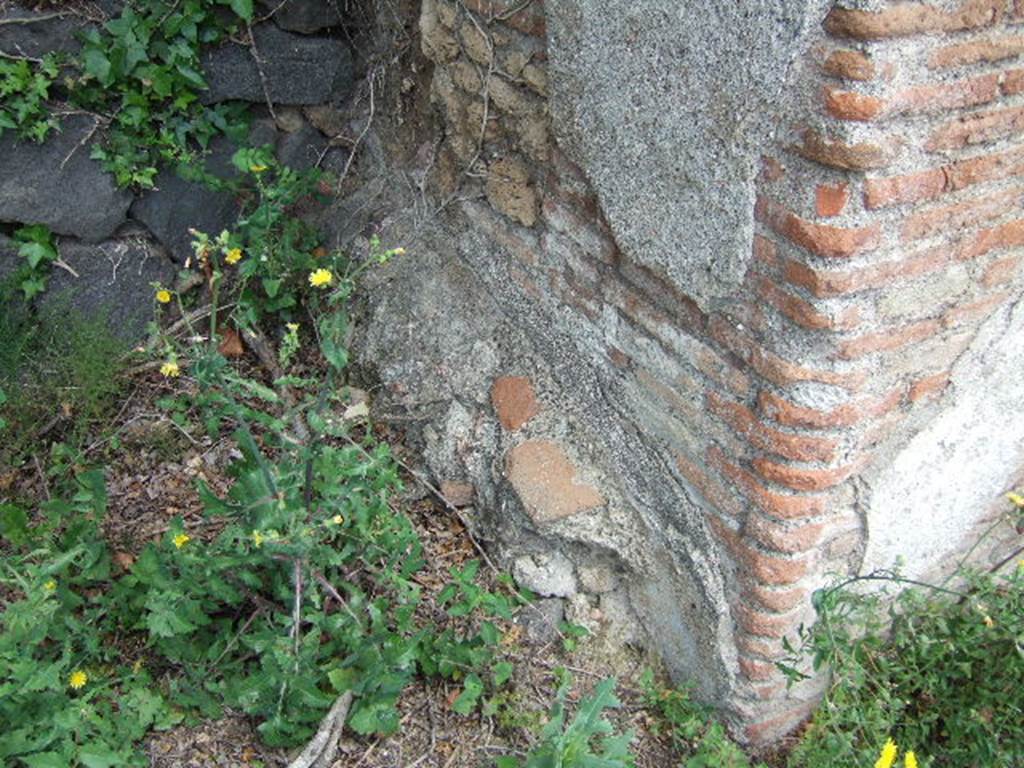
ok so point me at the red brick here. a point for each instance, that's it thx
(831, 199)
(775, 727)
(782, 505)
(801, 312)
(975, 310)
(929, 387)
(943, 96)
(708, 487)
(953, 218)
(905, 19)
(721, 371)
(978, 51)
(770, 625)
(754, 669)
(775, 369)
(1008, 235)
(924, 185)
(765, 251)
(789, 446)
(978, 128)
(805, 478)
(1012, 83)
(776, 536)
(850, 105)
(767, 568)
(825, 283)
(849, 65)
(774, 600)
(835, 153)
(910, 187)
(888, 340)
(765, 648)
(819, 239)
(1001, 272)
(848, 415)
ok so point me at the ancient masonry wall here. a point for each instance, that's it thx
(887, 230)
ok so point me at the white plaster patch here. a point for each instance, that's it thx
(921, 505)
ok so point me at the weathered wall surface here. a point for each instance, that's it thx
(740, 259)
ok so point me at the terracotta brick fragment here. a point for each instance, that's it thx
(848, 415)
(790, 446)
(835, 153)
(977, 128)
(819, 239)
(770, 625)
(803, 313)
(831, 199)
(772, 170)
(825, 283)
(782, 505)
(936, 97)
(1001, 272)
(774, 600)
(709, 487)
(910, 18)
(804, 478)
(956, 217)
(850, 105)
(545, 480)
(1008, 235)
(929, 387)
(849, 65)
(514, 401)
(888, 340)
(765, 648)
(776, 726)
(771, 534)
(754, 669)
(978, 51)
(1013, 82)
(975, 310)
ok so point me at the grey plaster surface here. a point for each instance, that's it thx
(922, 503)
(668, 107)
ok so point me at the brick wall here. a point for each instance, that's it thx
(888, 227)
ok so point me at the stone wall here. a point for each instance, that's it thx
(767, 265)
(118, 242)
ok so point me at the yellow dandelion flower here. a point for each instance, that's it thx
(888, 756)
(78, 679)
(170, 369)
(398, 251)
(989, 621)
(258, 538)
(337, 519)
(910, 759)
(320, 277)
(233, 256)
(50, 586)
(293, 327)
(163, 296)
(181, 540)
(1016, 499)
(257, 168)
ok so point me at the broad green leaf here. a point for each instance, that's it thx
(472, 687)
(242, 8)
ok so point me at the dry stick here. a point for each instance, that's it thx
(323, 747)
(85, 139)
(32, 19)
(259, 70)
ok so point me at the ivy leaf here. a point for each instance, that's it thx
(471, 690)
(242, 8)
(98, 65)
